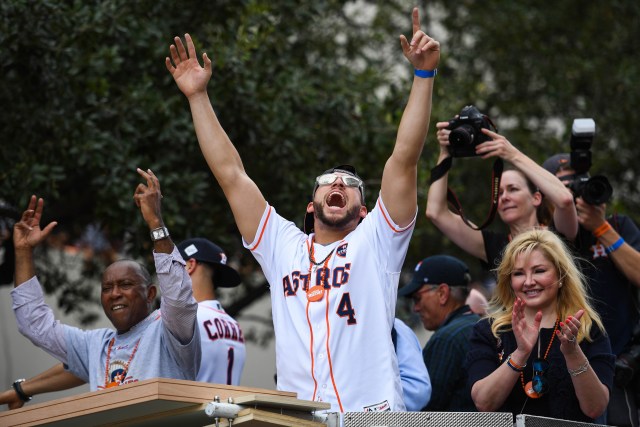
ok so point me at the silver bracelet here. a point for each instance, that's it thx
(579, 370)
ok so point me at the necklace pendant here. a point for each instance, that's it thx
(316, 293)
(528, 389)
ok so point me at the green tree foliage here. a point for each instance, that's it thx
(533, 67)
(299, 87)
(88, 99)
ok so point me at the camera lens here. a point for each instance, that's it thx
(597, 190)
(462, 136)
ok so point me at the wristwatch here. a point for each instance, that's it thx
(18, 388)
(159, 233)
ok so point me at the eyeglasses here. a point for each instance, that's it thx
(418, 294)
(539, 381)
(330, 178)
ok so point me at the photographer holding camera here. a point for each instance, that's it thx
(610, 249)
(520, 193)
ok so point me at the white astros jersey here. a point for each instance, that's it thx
(223, 350)
(333, 321)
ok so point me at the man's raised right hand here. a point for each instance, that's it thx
(183, 65)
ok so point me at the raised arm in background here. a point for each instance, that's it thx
(438, 212)
(565, 219)
(27, 234)
(246, 201)
(399, 179)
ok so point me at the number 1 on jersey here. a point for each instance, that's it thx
(230, 366)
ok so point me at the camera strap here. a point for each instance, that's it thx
(443, 167)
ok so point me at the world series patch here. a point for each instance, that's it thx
(341, 251)
(378, 407)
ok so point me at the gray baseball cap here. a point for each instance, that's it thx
(557, 162)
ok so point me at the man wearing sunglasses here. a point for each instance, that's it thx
(333, 292)
(439, 289)
(336, 208)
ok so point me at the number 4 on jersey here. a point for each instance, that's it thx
(345, 309)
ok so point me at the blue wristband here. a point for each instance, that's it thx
(615, 246)
(426, 74)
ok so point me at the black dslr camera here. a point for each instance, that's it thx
(593, 190)
(466, 132)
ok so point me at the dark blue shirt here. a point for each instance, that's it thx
(445, 355)
(613, 294)
(487, 353)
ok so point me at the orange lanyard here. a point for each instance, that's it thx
(316, 293)
(546, 353)
(126, 366)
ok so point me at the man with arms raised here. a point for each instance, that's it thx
(145, 343)
(334, 291)
(222, 340)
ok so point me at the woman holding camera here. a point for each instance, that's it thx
(520, 200)
(541, 350)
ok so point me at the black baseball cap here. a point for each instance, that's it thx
(203, 250)
(557, 162)
(435, 270)
(346, 169)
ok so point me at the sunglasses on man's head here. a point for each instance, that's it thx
(330, 178)
(539, 382)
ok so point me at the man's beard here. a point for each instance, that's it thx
(339, 223)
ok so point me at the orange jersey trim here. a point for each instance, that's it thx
(390, 223)
(264, 226)
(333, 380)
